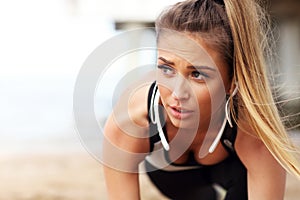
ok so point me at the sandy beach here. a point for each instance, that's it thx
(70, 176)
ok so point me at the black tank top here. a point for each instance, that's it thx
(189, 181)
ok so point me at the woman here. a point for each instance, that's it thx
(208, 123)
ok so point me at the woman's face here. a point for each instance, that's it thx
(193, 81)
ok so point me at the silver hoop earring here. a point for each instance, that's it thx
(226, 118)
(227, 112)
(227, 105)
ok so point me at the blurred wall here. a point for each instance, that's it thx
(286, 15)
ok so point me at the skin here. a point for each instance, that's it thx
(187, 93)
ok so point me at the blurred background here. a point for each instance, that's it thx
(43, 45)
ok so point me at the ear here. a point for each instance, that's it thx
(230, 88)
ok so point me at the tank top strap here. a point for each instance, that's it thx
(153, 131)
(228, 138)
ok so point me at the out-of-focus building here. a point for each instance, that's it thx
(286, 15)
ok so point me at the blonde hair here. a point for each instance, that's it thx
(239, 34)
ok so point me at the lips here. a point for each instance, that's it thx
(181, 110)
(180, 113)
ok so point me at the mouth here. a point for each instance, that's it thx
(180, 113)
(181, 110)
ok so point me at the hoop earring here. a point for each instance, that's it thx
(227, 105)
(226, 118)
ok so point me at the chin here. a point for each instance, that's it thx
(185, 124)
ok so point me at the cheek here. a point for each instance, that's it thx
(164, 91)
(210, 97)
(203, 97)
(163, 81)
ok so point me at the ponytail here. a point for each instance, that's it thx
(256, 104)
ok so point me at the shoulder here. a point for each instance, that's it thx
(266, 177)
(127, 126)
(248, 146)
(138, 104)
(252, 151)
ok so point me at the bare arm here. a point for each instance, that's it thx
(125, 145)
(121, 185)
(266, 177)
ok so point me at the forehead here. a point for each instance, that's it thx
(187, 47)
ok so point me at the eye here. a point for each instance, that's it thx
(167, 70)
(198, 75)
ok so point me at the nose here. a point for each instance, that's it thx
(181, 89)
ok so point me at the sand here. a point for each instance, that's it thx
(70, 176)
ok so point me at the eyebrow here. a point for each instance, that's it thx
(166, 61)
(189, 67)
(201, 67)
